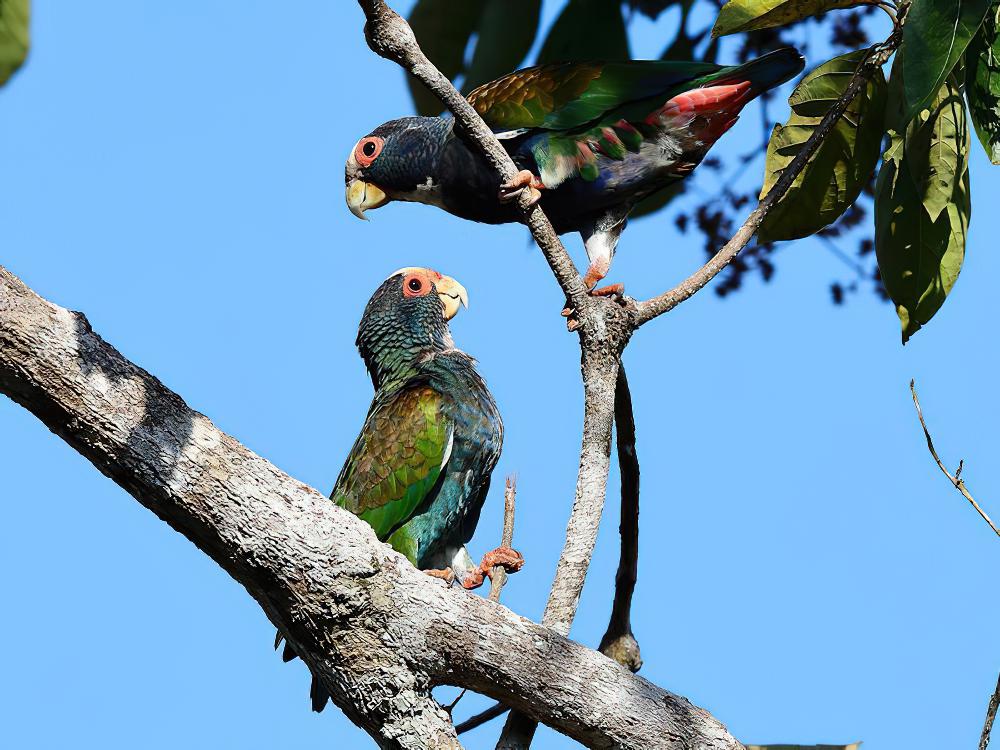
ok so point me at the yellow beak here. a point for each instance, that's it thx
(452, 295)
(362, 195)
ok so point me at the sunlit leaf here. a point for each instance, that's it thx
(587, 30)
(14, 19)
(747, 15)
(982, 83)
(922, 205)
(845, 160)
(935, 35)
(506, 32)
(443, 29)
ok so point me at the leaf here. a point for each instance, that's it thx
(507, 30)
(747, 15)
(651, 8)
(982, 83)
(14, 19)
(443, 29)
(935, 35)
(922, 205)
(587, 30)
(854, 746)
(838, 170)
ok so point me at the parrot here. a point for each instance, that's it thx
(590, 140)
(419, 471)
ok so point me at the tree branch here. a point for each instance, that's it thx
(955, 479)
(378, 633)
(499, 576)
(667, 301)
(991, 714)
(618, 642)
(391, 37)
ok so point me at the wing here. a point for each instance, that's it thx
(397, 459)
(562, 96)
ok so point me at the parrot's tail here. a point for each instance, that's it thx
(767, 71)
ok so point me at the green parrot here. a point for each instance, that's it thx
(419, 472)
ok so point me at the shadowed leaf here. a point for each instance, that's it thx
(587, 30)
(922, 205)
(506, 30)
(443, 29)
(845, 160)
(748, 15)
(14, 19)
(935, 35)
(982, 83)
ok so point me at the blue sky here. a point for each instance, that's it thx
(175, 171)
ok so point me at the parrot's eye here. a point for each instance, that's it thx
(368, 149)
(414, 286)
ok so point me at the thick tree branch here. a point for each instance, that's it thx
(667, 301)
(378, 632)
(956, 478)
(618, 642)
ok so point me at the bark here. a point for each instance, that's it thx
(378, 632)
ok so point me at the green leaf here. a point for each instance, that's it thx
(507, 30)
(935, 35)
(922, 206)
(747, 15)
(443, 29)
(838, 170)
(587, 30)
(855, 746)
(14, 18)
(982, 83)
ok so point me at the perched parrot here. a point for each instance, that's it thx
(420, 470)
(591, 140)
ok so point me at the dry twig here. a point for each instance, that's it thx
(956, 478)
(991, 714)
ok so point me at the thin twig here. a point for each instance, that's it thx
(499, 576)
(877, 57)
(991, 714)
(493, 712)
(618, 642)
(955, 479)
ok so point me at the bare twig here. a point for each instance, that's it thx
(991, 714)
(618, 642)
(667, 301)
(955, 479)
(499, 576)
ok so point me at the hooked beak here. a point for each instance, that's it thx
(362, 195)
(452, 295)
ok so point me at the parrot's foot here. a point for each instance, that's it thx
(509, 559)
(447, 575)
(523, 180)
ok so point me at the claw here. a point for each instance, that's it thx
(523, 180)
(447, 575)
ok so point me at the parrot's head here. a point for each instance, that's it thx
(396, 161)
(407, 319)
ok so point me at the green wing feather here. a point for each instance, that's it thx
(396, 459)
(563, 96)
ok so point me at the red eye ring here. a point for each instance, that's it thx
(368, 150)
(414, 286)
